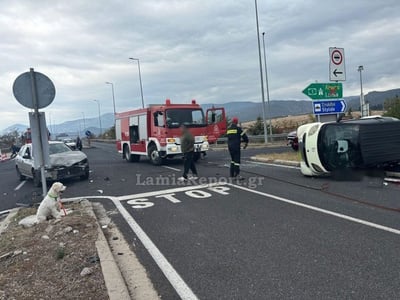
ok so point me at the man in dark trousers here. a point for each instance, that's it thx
(235, 136)
(187, 147)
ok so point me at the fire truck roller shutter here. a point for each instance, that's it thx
(143, 135)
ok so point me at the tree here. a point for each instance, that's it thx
(109, 134)
(392, 107)
(257, 128)
(350, 113)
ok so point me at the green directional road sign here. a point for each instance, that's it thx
(318, 91)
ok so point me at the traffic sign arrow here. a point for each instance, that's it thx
(336, 72)
(344, 105)
(319, 91)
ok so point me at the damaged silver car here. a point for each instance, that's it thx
(64, 163)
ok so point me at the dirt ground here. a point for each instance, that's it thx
(36, 267)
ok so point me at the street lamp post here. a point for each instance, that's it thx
(362, 104)
(261, 77)
(113, 96)
(267, 88)
(98, 105)
(84, 122)
(140, 79)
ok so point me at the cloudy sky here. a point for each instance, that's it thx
(201, 49)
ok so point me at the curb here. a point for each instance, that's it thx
(4, 223)
(276, 161)
(115, 283)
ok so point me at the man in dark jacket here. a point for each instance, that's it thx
(235, 136)
(187, 147)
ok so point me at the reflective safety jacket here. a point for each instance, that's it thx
(235, 136)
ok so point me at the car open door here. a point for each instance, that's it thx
(216, 123)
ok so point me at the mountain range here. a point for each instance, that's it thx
(245, 110)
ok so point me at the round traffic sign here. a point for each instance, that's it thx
(45, 90)
(337, 57)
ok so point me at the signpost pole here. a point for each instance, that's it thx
(40, 145)
(261, 77)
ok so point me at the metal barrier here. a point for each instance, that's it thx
(258, 138)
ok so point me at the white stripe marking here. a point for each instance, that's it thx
(169, 191)
(172, 275)
(171, 168)
(321, 210)
(20, 185)
(273, 165)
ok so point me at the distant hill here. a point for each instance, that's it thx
(245, 110)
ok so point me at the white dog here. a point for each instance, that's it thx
(50, 205)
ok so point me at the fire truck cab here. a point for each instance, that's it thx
(155, 131)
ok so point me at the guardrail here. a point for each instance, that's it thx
(259, 138)
(224, 140)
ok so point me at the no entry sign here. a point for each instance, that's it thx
(337, 71)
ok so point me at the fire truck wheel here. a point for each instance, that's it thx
(154, 156)
(130, 157)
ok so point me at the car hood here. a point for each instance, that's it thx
(66, 159)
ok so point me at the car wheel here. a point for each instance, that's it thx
(19, 174)
(36, 178)
(154, 155)
(86, 176)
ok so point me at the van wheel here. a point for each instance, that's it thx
(36, 178)
(154, 155)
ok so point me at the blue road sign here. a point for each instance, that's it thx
(329, 107)
(88, 133)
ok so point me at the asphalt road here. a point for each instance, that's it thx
(277, 235)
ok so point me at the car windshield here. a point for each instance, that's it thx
(58, 148)
(188, 117)
(339, 146)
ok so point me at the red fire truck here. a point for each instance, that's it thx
(155, 131)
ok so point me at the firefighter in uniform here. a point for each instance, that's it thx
(235, 136)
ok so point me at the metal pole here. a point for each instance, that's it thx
(261, 77)
(113, 96)
(98, 104)
(84, 121)
(140, 79)
(40, 146)
(360, 69)
(51, 129)
(267, 88)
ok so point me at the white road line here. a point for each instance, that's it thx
(20, 185)
(273, 165)
(171, 168)
(173, 190)
(321, 210)
(172, 275)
